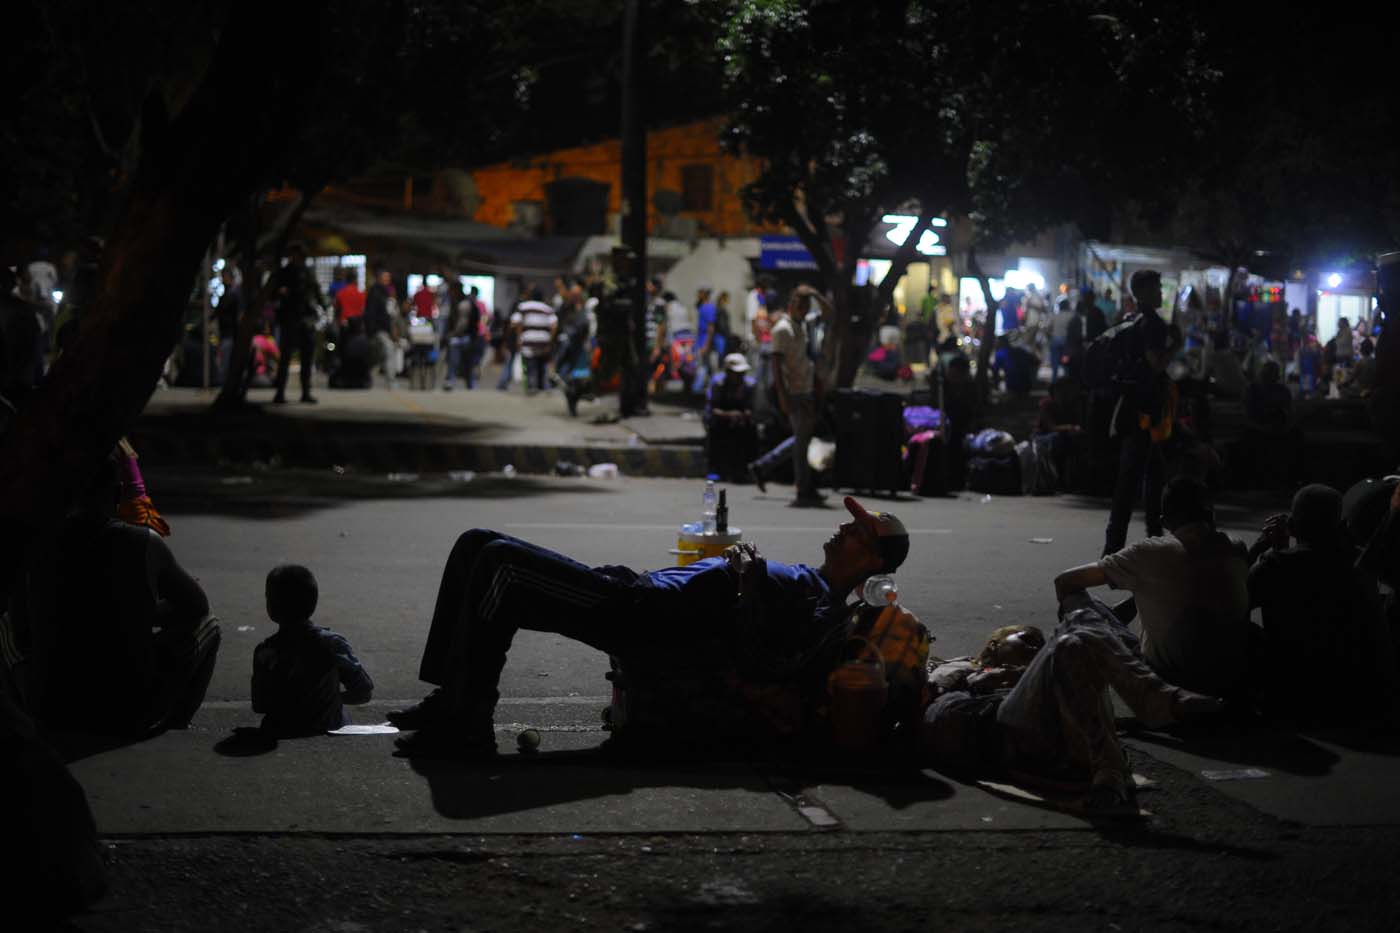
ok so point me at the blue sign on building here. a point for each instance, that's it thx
(783, 252)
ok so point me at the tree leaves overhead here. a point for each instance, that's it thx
(1019, 113)
(406, 86)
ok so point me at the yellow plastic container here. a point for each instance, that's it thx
(692, 546)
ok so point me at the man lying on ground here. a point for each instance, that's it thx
(1054, 725)
(1189, 589)
(766, 620)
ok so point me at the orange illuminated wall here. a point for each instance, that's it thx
(669, 153)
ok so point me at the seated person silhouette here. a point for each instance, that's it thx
(1327, 653)
(1189, 593)
(299, 673)
(120, 633)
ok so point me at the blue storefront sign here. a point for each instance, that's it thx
(783, 252)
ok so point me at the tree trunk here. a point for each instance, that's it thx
(853, 349)
(192, 173)
(245, 224)
(251, 244)
(989, 329)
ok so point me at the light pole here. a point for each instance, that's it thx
(633, 221)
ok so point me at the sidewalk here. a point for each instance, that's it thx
(429, 430)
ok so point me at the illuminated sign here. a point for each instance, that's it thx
(901, 225)
(784, 252)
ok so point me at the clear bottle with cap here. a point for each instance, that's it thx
(880, 590)
(710, 502)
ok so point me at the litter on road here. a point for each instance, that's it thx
(1236, 774)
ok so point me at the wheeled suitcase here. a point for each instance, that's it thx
(869, 440)
(928, 464)
(999, 476)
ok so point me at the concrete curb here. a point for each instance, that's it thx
(320, 447)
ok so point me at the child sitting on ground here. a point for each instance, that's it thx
(298, 673)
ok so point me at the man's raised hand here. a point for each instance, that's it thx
(747, 565)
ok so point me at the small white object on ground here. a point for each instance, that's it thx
(245, 628)
(382, 728)
(603, 471)
(1042, 540)
(508, 470)
(461, 476)
(986, 498)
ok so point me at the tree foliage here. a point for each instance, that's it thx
(1298, 168)
(1016, 115)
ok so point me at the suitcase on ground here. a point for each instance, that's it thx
(869, 440)
(998, 476)
(928, 464)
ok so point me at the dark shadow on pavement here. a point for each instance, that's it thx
(513, 783)
(245, 742)
(75, 746)
(1257, 745)
(1359, 739)
(898, 787)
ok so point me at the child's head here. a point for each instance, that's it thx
(291, 594)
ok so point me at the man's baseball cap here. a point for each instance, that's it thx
(735, 363)
(893, 537)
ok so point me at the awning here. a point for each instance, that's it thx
(472, 246)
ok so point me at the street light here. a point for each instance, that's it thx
(1334, 280)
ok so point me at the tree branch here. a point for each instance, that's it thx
(903, 256)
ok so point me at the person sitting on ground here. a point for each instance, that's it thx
(1268, 402)
(1362, 379)
(355, 354)
(265, 359)
(731, 439)
(119, 634)
(1060, 424)
(1038, 712)
(762, 620)
(1322, 616)
(1272, 452)
(1190, 593)
(1223, 370)
(299, 673)
(1377, 534)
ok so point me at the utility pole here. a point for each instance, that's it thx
(634, 204)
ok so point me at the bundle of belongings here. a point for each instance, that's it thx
(866, 697)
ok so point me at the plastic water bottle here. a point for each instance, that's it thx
(710, 502)
(880, 590)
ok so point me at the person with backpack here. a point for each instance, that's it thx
(1128, 363)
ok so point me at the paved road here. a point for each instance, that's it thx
(974, 564)
(334, 834)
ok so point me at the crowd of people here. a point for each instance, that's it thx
(105, 630)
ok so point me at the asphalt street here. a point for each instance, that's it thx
(377, 548)
(332, 833)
